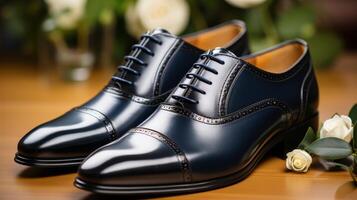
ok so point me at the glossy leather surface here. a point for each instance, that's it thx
(183, 143)
(120, 107)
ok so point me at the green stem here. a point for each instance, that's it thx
(83, 37)
(197, 16)
(268, 23)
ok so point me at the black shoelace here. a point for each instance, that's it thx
(136, 60)
(198, 77)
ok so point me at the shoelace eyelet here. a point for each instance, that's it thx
(199, 77)
(137, 60)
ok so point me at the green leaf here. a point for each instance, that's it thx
(353, 114)
(309, 137)
(324, 47)
(345, 167)
(258, 43)
(330, 148)
(254, 23)
(297, 22)
(94, 9)
(121, 6)
(319, 131)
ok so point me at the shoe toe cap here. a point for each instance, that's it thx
(71, 135)
(135, 159)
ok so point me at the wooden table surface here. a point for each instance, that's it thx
(28, 98)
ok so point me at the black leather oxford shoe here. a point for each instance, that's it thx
(154, 67)
(215, 126)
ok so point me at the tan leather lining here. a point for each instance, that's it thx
(219, 37)
(279, 60)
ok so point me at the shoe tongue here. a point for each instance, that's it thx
(158, 31)
(221, 50)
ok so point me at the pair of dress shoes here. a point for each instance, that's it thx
(182, 115)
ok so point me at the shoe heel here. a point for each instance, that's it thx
(294, 136)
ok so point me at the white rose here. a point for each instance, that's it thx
(133, 22)
(66, 13)
(339, 126)
(172, 15)
(245, 3)
(298, 160)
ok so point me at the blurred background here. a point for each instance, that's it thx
(72, 38)
(57, 54)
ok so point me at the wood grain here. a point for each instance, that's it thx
(29, 97)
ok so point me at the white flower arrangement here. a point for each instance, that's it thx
(245, 3)
(133, 22)
(146, 15)
(336, 140)
(339, 126)
(66, 13)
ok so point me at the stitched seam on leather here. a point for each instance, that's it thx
(232, 117)
(153, 101)
(303, 92)
(232, 77)
(274, 77)
(278, 77)
(101, 117)
(306, 90)
(181, 157)
(264, 138)
(163, 65)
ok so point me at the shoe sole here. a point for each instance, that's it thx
(268, 145)
(35, 162)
